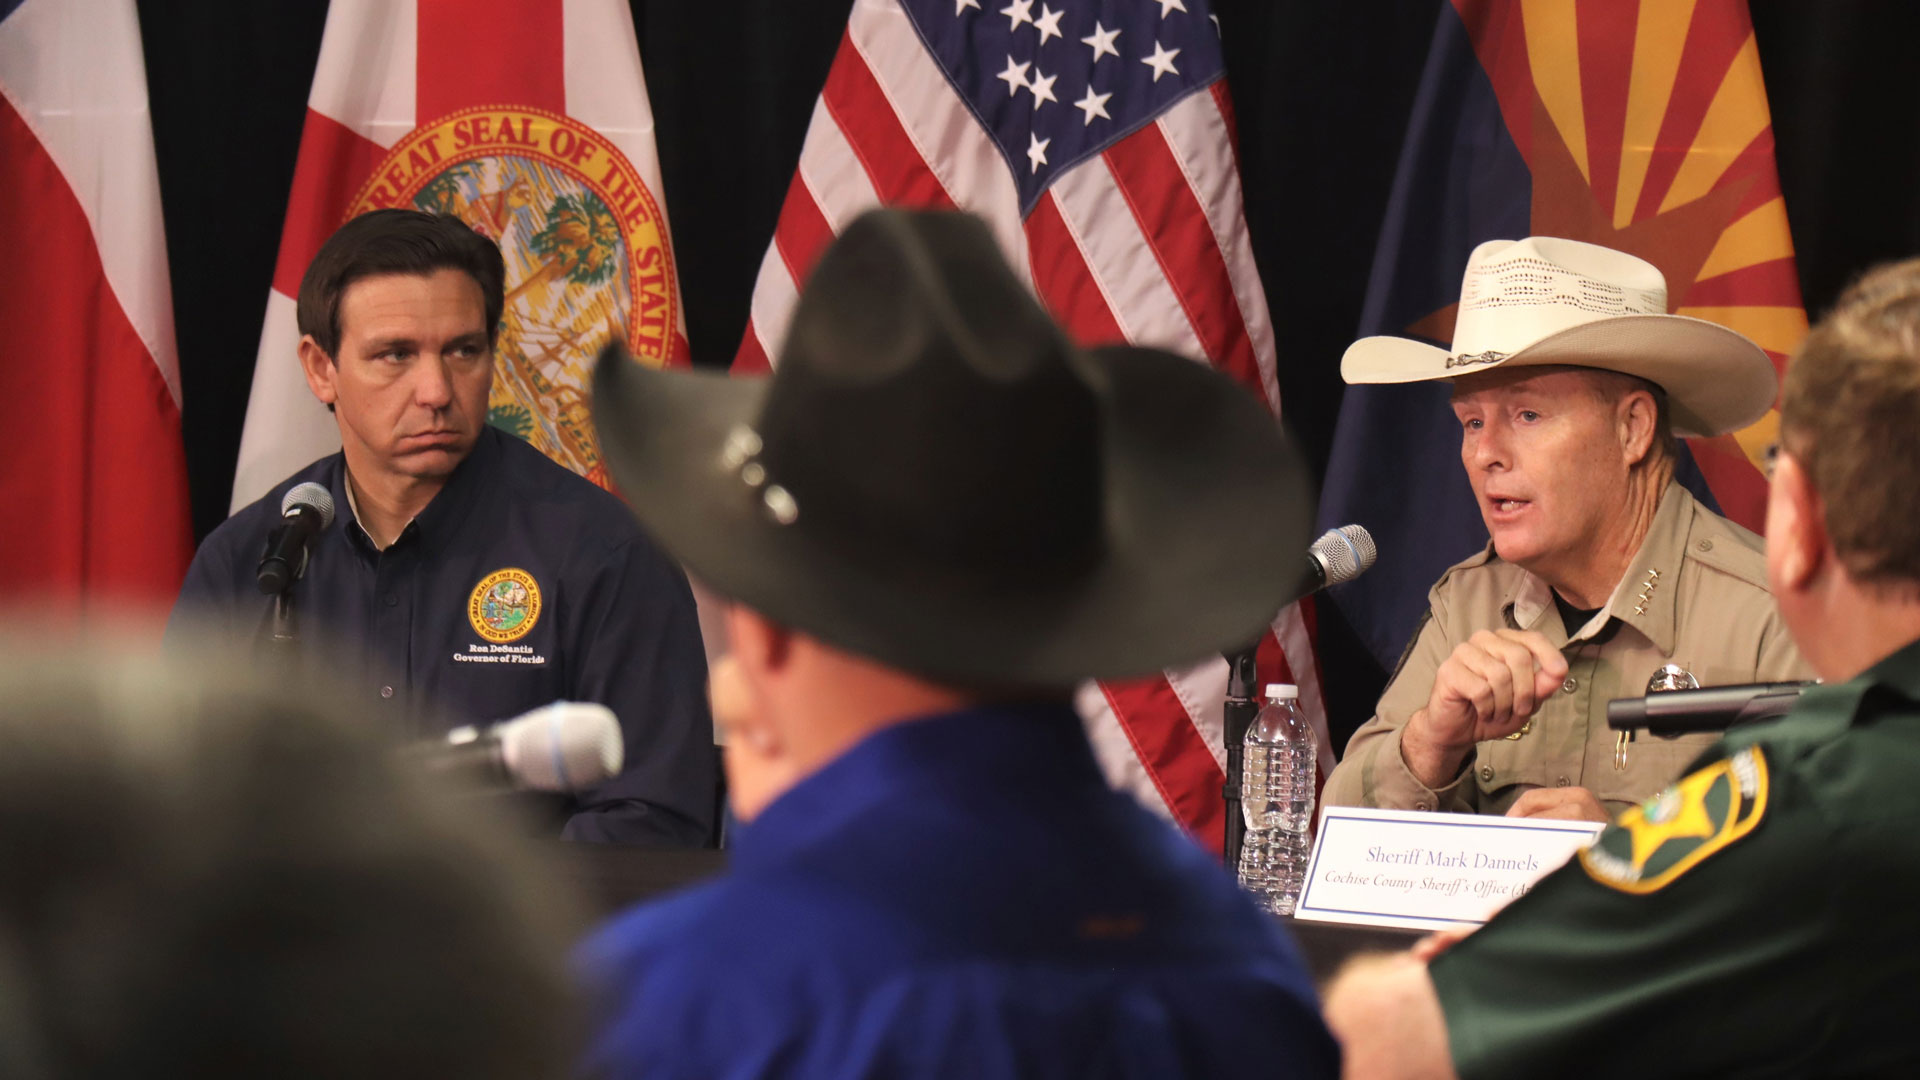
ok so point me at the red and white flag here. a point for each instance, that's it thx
(1096, 140)
(96, 484)
(527, 118)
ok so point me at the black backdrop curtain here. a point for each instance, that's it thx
(1322, 91)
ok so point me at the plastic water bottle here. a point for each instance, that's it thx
(1276, 796)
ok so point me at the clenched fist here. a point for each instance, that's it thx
(1487, 689)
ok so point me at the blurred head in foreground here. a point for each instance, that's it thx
(203, 873)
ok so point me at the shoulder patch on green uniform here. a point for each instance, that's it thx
(1654, 843)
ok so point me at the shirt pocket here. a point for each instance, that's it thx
(1653, 764)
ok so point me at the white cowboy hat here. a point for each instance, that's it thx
(1545, 300)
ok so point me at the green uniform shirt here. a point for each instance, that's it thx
(1750, 921)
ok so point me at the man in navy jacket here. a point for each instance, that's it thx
(465, 577)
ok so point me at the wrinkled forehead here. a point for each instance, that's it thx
(1541, 380)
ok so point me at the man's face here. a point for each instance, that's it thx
(409, 385)
(1544, 456)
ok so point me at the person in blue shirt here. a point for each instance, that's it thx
(933, 520)
(466, 577)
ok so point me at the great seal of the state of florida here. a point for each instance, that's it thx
(587, 253)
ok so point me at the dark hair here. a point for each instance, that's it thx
(207, 874)
(396, 241)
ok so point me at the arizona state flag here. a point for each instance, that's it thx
(1638, 124)
(95, 485)
(527, 118)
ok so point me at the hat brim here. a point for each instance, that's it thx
(1716, 380)
(1208, 514)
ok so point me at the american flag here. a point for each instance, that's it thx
(1094, 136)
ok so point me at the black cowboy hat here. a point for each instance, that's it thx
(935, 478)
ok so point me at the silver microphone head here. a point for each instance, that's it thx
(1345, 553)
(565, 746)
(311, 495)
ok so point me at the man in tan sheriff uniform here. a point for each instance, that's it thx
(1748, 921)
(1604, 577)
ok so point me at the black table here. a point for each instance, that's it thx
(608, 879)
(1325, 946)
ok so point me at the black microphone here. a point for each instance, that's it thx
(304, 512)
(1714, 708)
(567, 746)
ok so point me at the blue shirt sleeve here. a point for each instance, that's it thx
(638, 650)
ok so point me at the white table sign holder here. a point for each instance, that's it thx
(1429, 871)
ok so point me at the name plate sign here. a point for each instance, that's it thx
(1429, 871)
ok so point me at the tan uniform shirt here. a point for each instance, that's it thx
(1695, 595)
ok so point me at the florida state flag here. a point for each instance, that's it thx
(527, 118)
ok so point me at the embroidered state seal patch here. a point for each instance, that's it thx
(504, 606)
(1654, 843)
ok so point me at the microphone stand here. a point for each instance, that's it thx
(1351, 550)
(1242, 705)
(281, 635)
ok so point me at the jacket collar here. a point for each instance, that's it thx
(1899, 671)
(1010, 754)
(443, 513)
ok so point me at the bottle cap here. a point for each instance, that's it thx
(1282, 691)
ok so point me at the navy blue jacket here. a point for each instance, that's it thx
(957, 896)
(519, 584)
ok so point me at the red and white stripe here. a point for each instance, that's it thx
(97, 494)
(1146, 243)
(386, 67)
